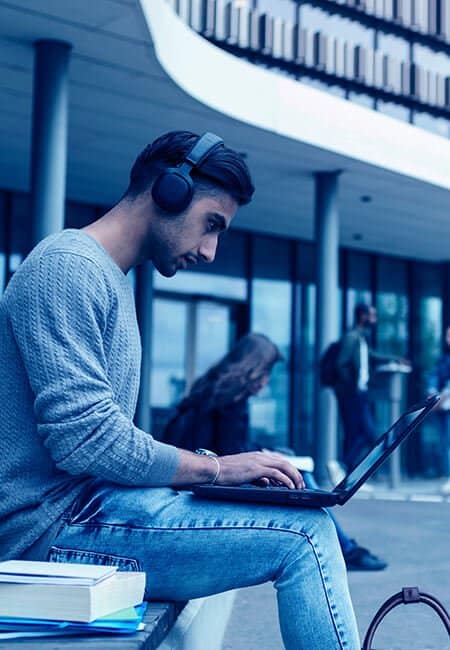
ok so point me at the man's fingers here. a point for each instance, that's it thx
(261, 482)
(295, 475)
(279, 463)
(276, 475)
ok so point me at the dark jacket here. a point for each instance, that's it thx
(349, 361)
(224, 430)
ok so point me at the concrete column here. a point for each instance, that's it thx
(327, 325)
(49, 137)
(144, 311)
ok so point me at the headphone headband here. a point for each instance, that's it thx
(173, 189)
(203, 148)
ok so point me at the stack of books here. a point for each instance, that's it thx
(49, 598)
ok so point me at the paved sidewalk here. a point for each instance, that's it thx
(425, 490)
(413, 536)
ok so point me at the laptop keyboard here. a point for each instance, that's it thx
(282, 488)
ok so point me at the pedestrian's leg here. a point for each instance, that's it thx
(350, 410)
(191, 548)
(369, 431)
(345, 412)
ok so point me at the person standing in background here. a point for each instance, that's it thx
(352, 380)
(439, 382)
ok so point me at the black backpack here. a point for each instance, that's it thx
(328, 365)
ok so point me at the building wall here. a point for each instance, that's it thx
(266, 284)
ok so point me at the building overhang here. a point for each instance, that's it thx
(137, 71)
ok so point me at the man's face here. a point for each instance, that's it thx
(181, 241)
(369, 319)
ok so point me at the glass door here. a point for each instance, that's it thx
(189, 335)
(212, 334)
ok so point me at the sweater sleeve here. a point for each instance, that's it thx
(59, 314)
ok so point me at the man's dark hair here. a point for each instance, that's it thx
(224, 169)
(361, 310)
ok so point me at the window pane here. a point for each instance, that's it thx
(394, 46)
(392, 307)
(429, 60)
(212, 335)
(271, 315)
(202, 284)
(168, 352)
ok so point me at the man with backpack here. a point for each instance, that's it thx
(353, 357)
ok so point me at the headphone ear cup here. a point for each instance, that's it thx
(172, 191)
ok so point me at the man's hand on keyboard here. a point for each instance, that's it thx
(262, 467)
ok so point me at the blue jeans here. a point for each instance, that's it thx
(191, 547)
(346, 543)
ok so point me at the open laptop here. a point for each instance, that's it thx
(313, 498)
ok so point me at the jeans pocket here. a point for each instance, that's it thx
(71, 555)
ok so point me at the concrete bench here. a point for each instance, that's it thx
(199, 623)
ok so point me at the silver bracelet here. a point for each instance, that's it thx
(218, 469)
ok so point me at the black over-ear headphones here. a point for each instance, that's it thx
(173, 189)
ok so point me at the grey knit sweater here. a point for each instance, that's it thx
(69, 376)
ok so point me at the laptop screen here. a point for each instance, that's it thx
(385, 442)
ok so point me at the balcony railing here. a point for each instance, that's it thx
(275, 42)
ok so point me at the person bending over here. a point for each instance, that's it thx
(80, 482)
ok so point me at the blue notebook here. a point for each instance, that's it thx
(126, 621)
